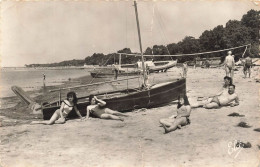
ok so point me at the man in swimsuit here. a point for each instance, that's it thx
(224, 99)
(229, 65)
(97, 109)
(247, 65)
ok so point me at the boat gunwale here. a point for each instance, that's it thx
(122, 96)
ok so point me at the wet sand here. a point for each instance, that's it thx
(139, 141)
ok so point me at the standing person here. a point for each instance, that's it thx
(242, 60)
(229, 65)
(97, 109)
(184, 70)
(66, 107)
(116, 70)
(182, 117)
(248, 65)
(44, 76)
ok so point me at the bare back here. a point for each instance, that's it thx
(229, 61)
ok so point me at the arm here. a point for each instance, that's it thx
(186, 114)
(225, 62)
(100, 102)
(233, 62)
(77, 111)
(61, 110)
(236, 102)
(88, 110)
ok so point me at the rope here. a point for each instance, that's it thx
(192, 54)
(244, 52)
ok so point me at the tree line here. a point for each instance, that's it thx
(235, 33)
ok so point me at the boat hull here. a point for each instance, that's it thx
(127, 100)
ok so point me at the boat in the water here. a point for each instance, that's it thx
(144, 96)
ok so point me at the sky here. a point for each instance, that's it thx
(37, 32)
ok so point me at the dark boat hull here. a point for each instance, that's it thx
(127, 100)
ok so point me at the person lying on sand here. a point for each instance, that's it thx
(96, 108)
(182, 118)
(225, 99)
(60, 114)
(227, 82)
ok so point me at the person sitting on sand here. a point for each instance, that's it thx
(97, 109)
(227, 82)
(225, 99)
(182, 117)
(60, 115)
(229, 65)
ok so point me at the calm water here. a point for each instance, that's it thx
(32, 79)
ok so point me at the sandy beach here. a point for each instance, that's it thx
(209, 141)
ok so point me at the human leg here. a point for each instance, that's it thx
(227, 71)
(232, 73)
(249, 71)
(178, 122)
(166, 121)
(211, 105)
(109, 111)
(110, 116)
(201, 103)
(54, 117)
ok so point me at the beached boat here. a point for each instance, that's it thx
(144, 96)
(128, 99)
(162, 68)
(100, 73)
(110, 73)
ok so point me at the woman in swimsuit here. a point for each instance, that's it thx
(60, 114)
(96, 109)
(182, 118)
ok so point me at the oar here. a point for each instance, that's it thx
(35, 107)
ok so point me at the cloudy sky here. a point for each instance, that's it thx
(53, 31)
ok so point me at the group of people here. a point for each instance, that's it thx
(230, 65)
(97, 108)
(225, 97)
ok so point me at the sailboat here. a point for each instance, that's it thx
(121, 100)
(153, 67)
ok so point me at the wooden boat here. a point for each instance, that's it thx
(110, 73)
(162, 68)
(121, 100)
(128, 99)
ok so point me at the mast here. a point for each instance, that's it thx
(140, 41)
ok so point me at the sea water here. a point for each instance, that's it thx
(32, 79)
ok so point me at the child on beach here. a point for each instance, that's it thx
(182, 117)
(96, 108)
(66, 107)
(184, 70)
